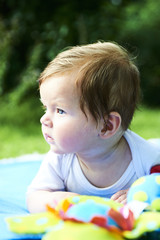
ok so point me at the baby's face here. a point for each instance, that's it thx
(64, 126)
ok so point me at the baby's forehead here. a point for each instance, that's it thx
(60, 86)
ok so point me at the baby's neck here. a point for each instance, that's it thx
(103, 152)
(105, 168)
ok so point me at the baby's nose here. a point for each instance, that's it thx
(46, 121)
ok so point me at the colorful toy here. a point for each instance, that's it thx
(147, 190)
(99, 218)
(100, 211)
(92, 218)
(78, 231)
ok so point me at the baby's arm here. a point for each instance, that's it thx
(120, 196)
(48, 186)
(37, 200)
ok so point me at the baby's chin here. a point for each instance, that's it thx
(59, 151)
(56, 150)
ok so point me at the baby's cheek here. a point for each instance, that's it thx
(70, 140)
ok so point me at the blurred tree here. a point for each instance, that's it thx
(140, 28)
(33, 32)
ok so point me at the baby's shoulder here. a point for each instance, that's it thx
(139, 144)
(144, 154)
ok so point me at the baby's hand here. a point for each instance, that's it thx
(120, 196)
(58, 196)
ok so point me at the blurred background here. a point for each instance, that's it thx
(33, 32)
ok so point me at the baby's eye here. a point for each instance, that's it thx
(60, 111)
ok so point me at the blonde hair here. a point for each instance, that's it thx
(107, 78)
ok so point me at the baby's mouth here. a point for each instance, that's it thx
(48, 138)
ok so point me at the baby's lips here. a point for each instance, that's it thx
(48, 138)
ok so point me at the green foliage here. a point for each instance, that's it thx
(20, 131)
(141, 28)
(19, 113)
(16, 141)
(32, 33)
(5, 49)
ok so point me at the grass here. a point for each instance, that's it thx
(20, 130)
(146, 123)
(24, 138)
(16, 141)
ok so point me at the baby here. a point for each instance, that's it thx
(90, 93)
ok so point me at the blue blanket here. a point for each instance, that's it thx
(15, 176)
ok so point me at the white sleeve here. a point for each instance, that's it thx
(49, 176)
(144, 154)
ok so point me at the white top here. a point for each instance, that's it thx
(63, 172)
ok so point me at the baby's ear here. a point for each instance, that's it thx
(111, 124)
